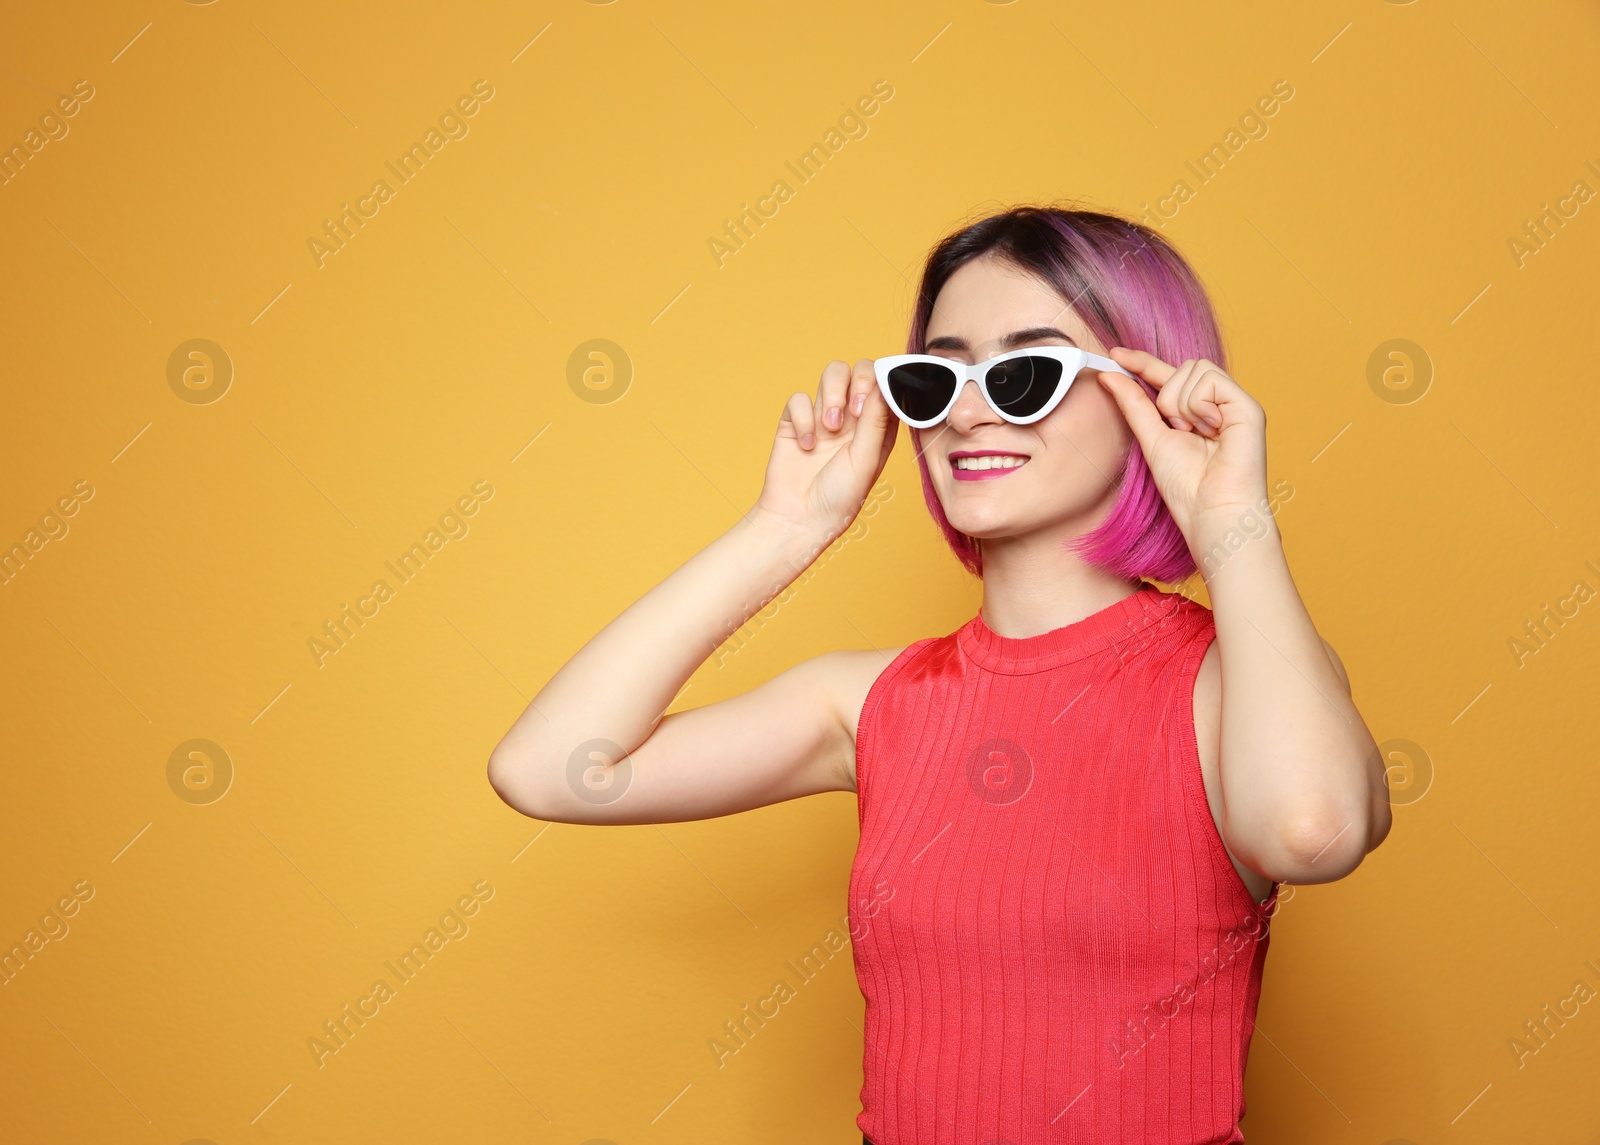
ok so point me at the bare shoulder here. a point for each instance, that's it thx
(845, 677)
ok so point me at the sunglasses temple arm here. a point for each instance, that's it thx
(1101, 363)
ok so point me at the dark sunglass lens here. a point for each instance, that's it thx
(1022, 386)
(922, 389)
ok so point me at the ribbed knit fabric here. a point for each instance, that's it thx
(1051, 939)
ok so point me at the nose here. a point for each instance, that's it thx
(970, 410)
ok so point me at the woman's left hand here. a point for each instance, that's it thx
(1209, 457)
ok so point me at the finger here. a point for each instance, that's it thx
(1193, 405)
(876, 427)
(831, 394)
(1213, 387)
(799, 420)
(1145, 365)
(1141, 413)
(862, 379)
(1217, 400)
(1172, 389)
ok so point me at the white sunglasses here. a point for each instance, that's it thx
(1021, 386)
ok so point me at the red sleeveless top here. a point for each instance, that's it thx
(1050, 937)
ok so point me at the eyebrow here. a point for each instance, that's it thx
(1010, 342)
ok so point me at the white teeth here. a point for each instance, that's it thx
(990, 462)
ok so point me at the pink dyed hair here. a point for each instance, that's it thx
(1131, 288)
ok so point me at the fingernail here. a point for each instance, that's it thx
(861, 400)
(807, 441)
(833, 417)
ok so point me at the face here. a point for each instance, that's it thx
(1070, 460)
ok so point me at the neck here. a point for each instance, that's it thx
(1033, 584)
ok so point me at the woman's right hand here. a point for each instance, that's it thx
(820, 472)
(609, 701)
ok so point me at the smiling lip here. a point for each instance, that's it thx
(983, 474)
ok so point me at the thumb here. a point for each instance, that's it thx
(1143, 417)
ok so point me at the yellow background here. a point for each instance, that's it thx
(371, 392)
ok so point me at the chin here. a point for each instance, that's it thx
(987, 526)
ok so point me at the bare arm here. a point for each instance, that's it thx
(594, 747)
(1303, 785)
(1302, 791)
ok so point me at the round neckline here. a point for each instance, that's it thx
(1116, 623)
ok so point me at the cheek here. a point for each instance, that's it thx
(923, 445)
(1094, 433)
(1111, 428)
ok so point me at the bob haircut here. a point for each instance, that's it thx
(1131, 288)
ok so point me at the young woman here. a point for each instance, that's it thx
(1076, 810)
